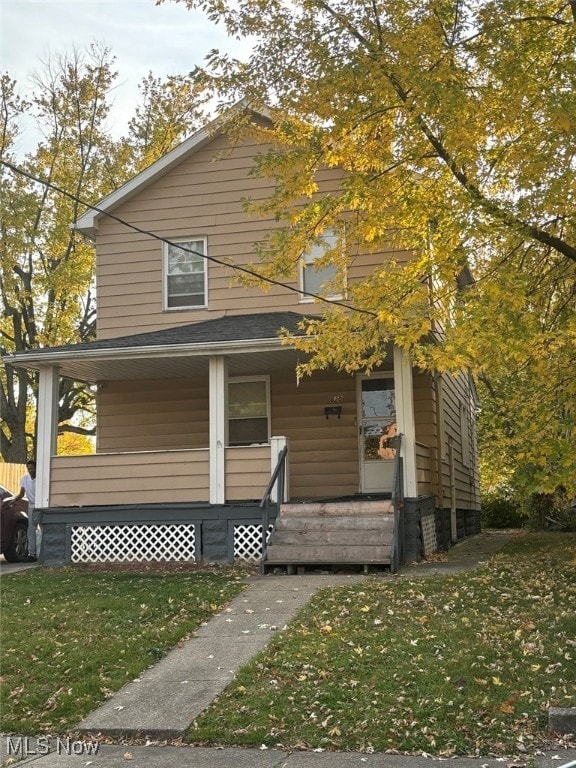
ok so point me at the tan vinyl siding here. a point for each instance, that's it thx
(323, 456)
(130, 478)
(424, 415)
(153, 414)
(202, 196)
(456, 393)
(438, 425)
(423, 469)
(426, 427)
(323, 453)
(248, 471)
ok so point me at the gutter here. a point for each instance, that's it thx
(33, 361)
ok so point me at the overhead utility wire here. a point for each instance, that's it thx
(148, 233)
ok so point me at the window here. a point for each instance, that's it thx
(314, 279)
(185, 274)
(248, 411)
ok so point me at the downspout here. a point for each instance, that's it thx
(438, 414)
(405, 419)
(453, 517)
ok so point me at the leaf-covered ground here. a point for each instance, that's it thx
(71, 637)
(460, 664)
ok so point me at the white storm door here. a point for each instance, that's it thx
(377, 423)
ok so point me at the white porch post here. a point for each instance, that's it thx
(218, 373)
(48, 386)
(405, 417)
(276, 446)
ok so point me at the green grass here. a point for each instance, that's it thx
(71, 637)
(464, 664)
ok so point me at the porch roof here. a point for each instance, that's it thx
(176, 351)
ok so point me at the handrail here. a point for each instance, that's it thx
(280, 467)
(279, 475)
(396, 555)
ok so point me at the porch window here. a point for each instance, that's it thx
(185, 274)
(248, 411)
(319, 280)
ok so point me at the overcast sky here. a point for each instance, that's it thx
(166, 39)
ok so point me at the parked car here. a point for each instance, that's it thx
(14, 527)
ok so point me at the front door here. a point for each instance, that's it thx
(377, 425)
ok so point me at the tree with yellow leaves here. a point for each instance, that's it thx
(454, 123)
(46, 268)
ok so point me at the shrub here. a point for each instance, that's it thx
(500, 510)
(550, 510)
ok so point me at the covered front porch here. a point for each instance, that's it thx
(191, 415)
(191, 422)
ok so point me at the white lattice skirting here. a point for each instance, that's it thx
(248, 541)
(429, 534)
(132, 543)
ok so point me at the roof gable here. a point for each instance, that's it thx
(87, 224)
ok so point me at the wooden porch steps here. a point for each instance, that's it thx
(338, 508)
(332, 533)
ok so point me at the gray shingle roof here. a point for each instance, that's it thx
(231, 328)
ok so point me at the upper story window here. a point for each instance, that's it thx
(319, 280)
(185, 284)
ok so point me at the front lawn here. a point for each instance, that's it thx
(465, 664)
(71, 637)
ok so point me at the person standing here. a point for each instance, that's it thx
(28, 489)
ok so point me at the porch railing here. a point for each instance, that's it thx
(131, 477)
(397, 553)
(278, 476)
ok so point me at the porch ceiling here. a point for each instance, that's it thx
(150, 366)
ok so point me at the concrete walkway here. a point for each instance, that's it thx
(464, 556)
(166, 698)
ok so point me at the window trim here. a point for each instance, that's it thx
(165, 274)
(246, 379)
(304, 298)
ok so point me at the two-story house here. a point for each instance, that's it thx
(197, 396)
